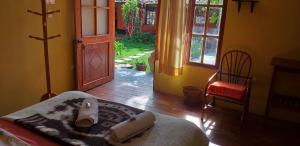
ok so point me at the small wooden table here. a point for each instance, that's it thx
(283, 101)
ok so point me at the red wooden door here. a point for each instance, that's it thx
(95, 31)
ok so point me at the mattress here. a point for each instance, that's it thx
(168, 130)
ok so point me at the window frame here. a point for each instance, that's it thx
(148, 9)
(192, 6)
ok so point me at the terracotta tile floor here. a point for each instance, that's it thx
(222, 126)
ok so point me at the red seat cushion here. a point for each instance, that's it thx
(234, 91)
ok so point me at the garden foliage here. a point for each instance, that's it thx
(130, 11)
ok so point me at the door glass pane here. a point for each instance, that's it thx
(199, 20)
(88, 18)
(102, 21)
(216, 2)
(210, 52)
(201, 1)
(102, 17)
(87, 2)
(213, 25)
(102, 3)
(196, 49)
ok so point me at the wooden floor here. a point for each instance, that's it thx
(221, 126)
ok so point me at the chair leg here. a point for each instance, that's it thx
(247, 109)
(202, 113)
(245, 113)
(203, 107)
(213, 103)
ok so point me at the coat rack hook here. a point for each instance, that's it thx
(53, 37)
(34, 12)
(52, 12)
(37, 38)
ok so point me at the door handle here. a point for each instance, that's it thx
(79, 41)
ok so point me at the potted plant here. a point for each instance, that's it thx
(140, 65)
(213, 18)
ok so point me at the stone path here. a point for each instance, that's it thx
(119, 63)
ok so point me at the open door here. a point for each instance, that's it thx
(95, 32)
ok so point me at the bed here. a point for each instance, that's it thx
(167, 131)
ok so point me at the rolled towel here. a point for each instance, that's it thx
(132, 127)
(88, 113)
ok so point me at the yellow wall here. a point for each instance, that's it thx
(271, 30)
(22, 75)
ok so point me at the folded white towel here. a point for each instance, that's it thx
(88, 113)
(132, 127)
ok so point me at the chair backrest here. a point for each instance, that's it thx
(235, 66)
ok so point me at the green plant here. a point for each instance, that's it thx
(147, 38)
(215, 2)
(195, 50)
(140, 61)
(130, 10)
(201, 10)
(137, 25)
(213, 13)
(119, 48)
(213, 17)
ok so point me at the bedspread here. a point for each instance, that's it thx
(168, 131)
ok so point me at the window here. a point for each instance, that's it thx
(207, 31)
(150, 15)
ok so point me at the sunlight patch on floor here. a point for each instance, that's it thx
(141, 73)
(138, 102)
(193, 119)
(123, 73)
(212, 144)
(129, 84)
(209, 126)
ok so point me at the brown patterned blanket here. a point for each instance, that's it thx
(61, 128)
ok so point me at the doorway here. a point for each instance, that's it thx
(107, 48)
(135, 37)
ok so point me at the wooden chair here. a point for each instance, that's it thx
(232, 82)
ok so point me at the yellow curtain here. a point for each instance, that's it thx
(171, 33)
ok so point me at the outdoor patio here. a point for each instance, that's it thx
(133, 77)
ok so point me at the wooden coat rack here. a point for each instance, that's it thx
(44, 14)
